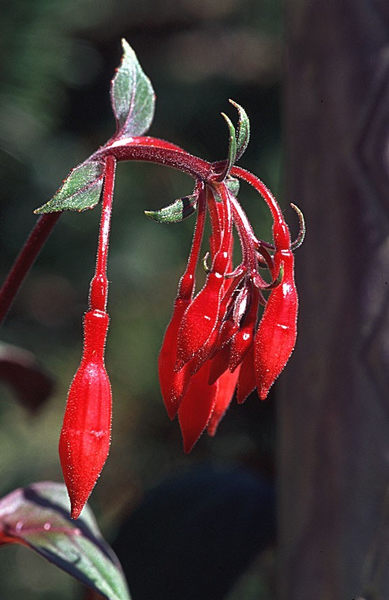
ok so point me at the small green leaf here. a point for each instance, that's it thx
(231, 147)
(132, 96)
(38, 516)
(233, 185)
(243, 130)
(176, 212)
(80, 190)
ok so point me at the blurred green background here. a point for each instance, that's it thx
(57, 60)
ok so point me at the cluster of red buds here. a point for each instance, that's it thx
(236, 333)
(216, 342)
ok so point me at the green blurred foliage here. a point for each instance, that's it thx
(57, 60)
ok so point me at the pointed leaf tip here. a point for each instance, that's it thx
(243, 130)
(175, 212)
(231, 147)
(80, 190)
(132, 96)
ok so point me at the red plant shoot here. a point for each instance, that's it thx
(218, 340)
(86, 430)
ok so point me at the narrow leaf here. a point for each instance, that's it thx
(132, 96)
(243, 130)
(80, 190)
(231, 147)
(38, 516)
(176, 212)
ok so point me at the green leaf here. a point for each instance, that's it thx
(233, 185)
(176, 212)
(132, 96)
(80, 190)
(38, 516)
(231, 146)
(243, 130)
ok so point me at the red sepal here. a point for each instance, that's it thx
(196, 407)
(226, 385)
(246, 381)
(219, 363)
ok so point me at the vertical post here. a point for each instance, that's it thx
(334, 395)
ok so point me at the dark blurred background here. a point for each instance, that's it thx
(57, 60)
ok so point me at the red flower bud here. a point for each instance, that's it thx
(243, 339)
(86, 431)
(201, 317)
(173, 384)
(277, 331)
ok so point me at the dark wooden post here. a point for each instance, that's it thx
(334, 396)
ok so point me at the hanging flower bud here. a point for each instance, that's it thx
(196, 407)
(277, 331)
(173, 383)
(86, 430)
(200, 319)
(85, 436)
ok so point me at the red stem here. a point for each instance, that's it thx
(142, 148)
(280, 229)
(261, 188)
(157, 151)
(187, 281)
(25, 260)
(106, 211)
(99, 283)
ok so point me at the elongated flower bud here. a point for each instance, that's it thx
(85, 436)
(173, 384)
(277, 331)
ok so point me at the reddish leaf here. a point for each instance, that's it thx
(38, 516)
